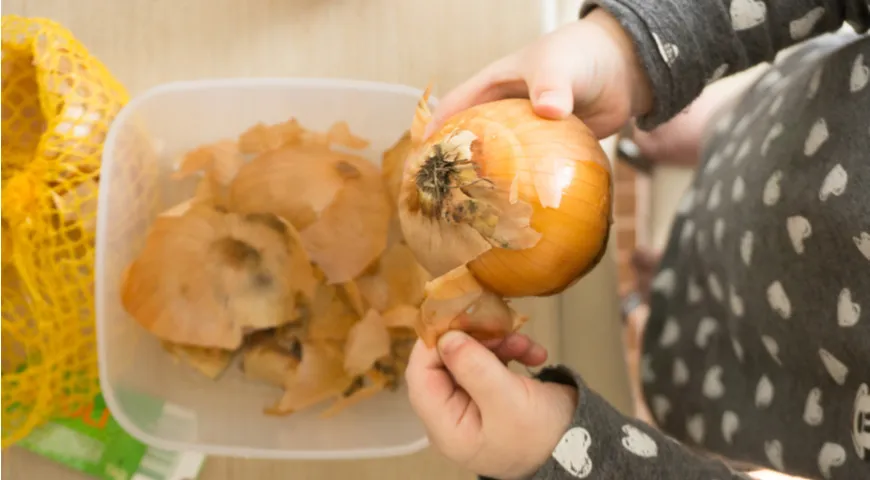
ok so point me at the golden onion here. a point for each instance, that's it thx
(524, 202)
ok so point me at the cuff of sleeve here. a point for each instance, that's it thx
(602, 443)
(663, 58)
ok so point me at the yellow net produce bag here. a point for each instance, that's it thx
(57, 104)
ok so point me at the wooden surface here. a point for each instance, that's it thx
(148, 42)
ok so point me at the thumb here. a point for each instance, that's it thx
(552, 96)
(475, 368)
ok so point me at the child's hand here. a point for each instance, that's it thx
(588, 67)
(480, 414)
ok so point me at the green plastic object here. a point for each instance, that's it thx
(92, 442)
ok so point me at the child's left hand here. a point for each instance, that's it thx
(480, 414)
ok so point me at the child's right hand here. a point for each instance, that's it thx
(588, 67)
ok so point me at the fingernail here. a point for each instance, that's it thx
(555, 100)
(450, 341)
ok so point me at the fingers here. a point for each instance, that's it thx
(518, 347)
(551, 92)
(434, 396)
(499, 80)
(476, 369)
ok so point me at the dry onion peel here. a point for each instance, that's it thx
(320, 376)
(323, 332)
(401, 316)
(457, 301)
(525, 202)
(207, 278)
(367, 341)
(353, 297)
(268, 362)
(331, 317)
(218, 163)
(365, 387)
(336, 200)
(211, 362)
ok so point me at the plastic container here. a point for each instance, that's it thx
(170, 406)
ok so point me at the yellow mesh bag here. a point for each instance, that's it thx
(57, 104)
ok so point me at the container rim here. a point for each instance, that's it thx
(99, 266)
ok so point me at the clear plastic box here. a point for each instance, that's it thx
(170, 406)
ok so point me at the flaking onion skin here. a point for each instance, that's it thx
(553, 170)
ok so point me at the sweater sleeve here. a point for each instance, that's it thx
(686, 44)
(601, 443)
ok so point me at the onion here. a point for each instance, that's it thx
(523, 202)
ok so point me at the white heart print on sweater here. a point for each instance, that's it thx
(778, 300)
(713, 387)
(836, 369)
(774, 132)
(688, 231)
(772, 348)
(736, 302)
(831, 455)
(730, 425)
(848, 312)
(743, 151)
(773, 450)
(715, 287)
(665, 282)
(815, 81)
(817, 135)
(686, 202)
(764, 392)
(738, 349)
(860, 74)
(746, 14)
(670, 334)
(738, 190)
(718, 232)
(572, 452)
(801, 27)
(770, 195)
(638, 442)
(715, 197)
(813, 412)
(746, 242)
(661, 407)
(706, 327)
(863, 243)
(695, 428)
(680, 373)
(834, 183)
(799, 229)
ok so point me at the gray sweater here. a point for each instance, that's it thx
(757, 347)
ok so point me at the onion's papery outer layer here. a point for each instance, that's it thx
(546, 182)
(207, 278)
(457, 301)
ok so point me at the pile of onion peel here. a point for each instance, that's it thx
(287, 258)
(501, 203)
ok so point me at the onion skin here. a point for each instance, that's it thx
(558, 168)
